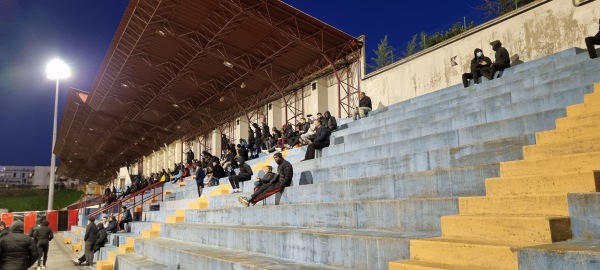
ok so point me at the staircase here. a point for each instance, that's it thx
(408, 182)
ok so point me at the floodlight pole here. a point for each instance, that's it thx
(53, 160)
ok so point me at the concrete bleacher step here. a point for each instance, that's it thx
(544, 184)
(132, 261)
(577, 145)
(462, 253)
(570, 255)
(300, 244)
(421, 265)
(545, 205)
(583, 162)
(385, 160)
(186, 255)
(560, 81)
(522, 230)
(527, 124)
(381, 214)
(447, 182)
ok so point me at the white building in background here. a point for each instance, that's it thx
(36, 176)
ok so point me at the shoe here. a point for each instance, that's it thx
(243, 201)
(39, 268)
(278, 149)
(43, 267)
(266, 152)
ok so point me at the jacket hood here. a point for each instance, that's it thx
(100, 226)
(496, 44)
(475, 52)
(17, 227)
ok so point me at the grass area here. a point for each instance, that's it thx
(19, 200)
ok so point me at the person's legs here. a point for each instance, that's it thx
(363, 111)
(590, 42)
(497, 67)
(272, 189)
(45, 250)
(465, 78)
(485, 72)
(122, 225)
(475, 74)
(81, 259)
(233, 180)
(40, 254)
(355, 114)
(310, 152)
(200, 188)
(89, 255)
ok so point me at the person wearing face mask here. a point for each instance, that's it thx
(478, 62)
(590, 42)
(502, 60)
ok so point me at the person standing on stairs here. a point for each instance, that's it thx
(502, 60)
(591, 41)
(478, 62)
(90, 237)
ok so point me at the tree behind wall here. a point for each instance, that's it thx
(495, 8)
(383, 55)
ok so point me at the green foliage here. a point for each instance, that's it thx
(411, 46)
(18, 200)
(494, 8)
(438, 37)
(384, 55)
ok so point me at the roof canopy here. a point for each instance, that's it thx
(175, 69)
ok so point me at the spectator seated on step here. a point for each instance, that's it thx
(126, 217)
(272, 140)
(502, 61)
(321, 141)
(245, 174)
(265, 179)
(478, 62)
(229, 160)
(364, 107)
(216, 172)
(304, 138)
(329, 121)
(288, 134)
(590, 42)
(112, 225)
(278, 183)
(241, 152)
(301, 128)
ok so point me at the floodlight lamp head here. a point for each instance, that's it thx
(57, 69)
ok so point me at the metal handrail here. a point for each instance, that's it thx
(133, 196)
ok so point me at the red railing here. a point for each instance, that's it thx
(86, 202)
(157, 190)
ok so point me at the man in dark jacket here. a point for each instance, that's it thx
(17, 251)
(285, 172)
(364, 107)
(258, 138)
(90, 237)
(478, 62)
(4, 231)
(112, 225)
(200, 175)
(43, 235)
(125, 218)
(321, 141)
(189, 156)
(330, 120)
(244, 175)
(590, 42)
(502, 60)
